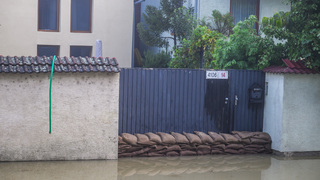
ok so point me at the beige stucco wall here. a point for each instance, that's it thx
(292, 111)
(84, 116)
(111, 23)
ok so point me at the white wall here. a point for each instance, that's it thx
(292, 111)
(269, 7)
(301, 113)
(207, 6)
(84, 116)
(272, 122)
(111, 23)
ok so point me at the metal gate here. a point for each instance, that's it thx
(154, 100)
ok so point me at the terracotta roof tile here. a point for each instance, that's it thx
(9, 64)
(292, 67)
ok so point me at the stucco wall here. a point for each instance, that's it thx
(292, 111)
(84, 116)
(272, 121)
(111, 23)
(301, 113)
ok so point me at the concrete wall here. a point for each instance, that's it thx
(84, 116)
(292, 111)
(111, 23)
(273, 107)
(301, 113)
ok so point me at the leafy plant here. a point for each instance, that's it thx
(159, 60)
(200, 46)
(245, 49)
(222, 23)
(170, 17)
(299, 30)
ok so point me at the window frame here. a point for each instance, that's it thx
(91, 47)
(257, 13)
(58, 19)
(58, 48)
(90, 20)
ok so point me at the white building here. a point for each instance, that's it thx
(66, 28)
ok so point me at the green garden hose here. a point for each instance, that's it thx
(54, 57)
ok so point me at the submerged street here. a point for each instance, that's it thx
(220, 167)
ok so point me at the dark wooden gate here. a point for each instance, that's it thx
(153, 100)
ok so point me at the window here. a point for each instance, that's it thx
(48, 15)
(80, 51)
(48, 50)
(242, 9)
(81, 15)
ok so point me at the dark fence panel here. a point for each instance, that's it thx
(153, 100)
(246, 116)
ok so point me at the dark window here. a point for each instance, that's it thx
(48, 15)
(80, 51)
(48, 50)
(242, 9)
(81, 15)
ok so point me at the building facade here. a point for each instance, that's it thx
(67, 28)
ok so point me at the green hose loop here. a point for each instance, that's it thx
(54, 57)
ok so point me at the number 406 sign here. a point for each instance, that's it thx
(217, 75)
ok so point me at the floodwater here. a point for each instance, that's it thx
(217, 167)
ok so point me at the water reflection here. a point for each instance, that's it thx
(222, 167)
(94, 170)
(202, 167)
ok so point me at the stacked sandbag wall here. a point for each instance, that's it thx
(191, 144)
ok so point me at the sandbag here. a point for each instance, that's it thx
(154, 137)
(219, 146)
(129, 138)
(204, 151)
(172, 153)
(245, 134)
(180, 138)
(242, 140)
(217, 138)
(259, 141)
(166, 138)
(157, 148)
(204, 147)
(205, 138)
(231, 151)
(257, 146)
(120, 141)
(230, 138)
(193, 139)
(188, 153)
(144, 150)
(188, 147)
(235, 146)
(263, 135)
(216, 151)
(144, 140)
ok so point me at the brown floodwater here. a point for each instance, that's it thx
(217, 167)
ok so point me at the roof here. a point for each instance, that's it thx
(43, 64)
(292, 67)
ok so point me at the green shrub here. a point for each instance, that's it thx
(159, 60)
